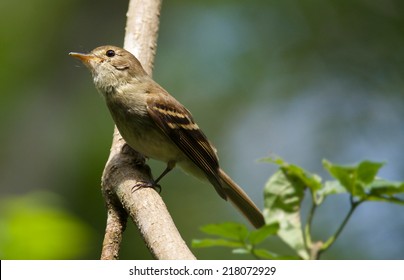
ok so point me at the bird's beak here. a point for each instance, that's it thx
(86, 58)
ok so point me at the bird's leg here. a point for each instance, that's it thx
(170, 166)
(155, 185)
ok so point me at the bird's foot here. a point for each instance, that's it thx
(146, 184)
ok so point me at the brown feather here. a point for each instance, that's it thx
(241, 200)
(177, 123)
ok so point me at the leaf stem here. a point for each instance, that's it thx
(333, 238)
(307, 229)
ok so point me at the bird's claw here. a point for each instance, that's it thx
(146, 184)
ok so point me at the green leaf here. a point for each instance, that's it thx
(203, 243)
(234, 231)
(265, 254)
(383, 190)
(386, 199)
(262, 233)
(354, 178)
(297, 174)
(344, 174)
(384, 187)
(330, 188)
(367, 171)
(300, 176)
(274, 160)
(283, 198)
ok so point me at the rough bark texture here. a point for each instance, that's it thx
(126, 173)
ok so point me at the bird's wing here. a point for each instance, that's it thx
(177, 123)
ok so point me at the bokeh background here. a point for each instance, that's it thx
(304, 80)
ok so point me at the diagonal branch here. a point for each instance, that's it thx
(126, 169)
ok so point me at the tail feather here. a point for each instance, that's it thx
(241, 200)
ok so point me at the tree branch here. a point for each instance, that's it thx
(125, 169)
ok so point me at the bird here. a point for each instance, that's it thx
(155, 124)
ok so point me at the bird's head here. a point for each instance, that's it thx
(111, 66)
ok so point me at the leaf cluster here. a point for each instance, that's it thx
(283, 196)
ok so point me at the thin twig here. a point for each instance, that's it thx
(333, 238)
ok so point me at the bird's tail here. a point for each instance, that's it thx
(241, 200)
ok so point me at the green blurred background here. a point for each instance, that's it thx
(305, 80)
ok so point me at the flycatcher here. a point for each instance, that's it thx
(156, 125)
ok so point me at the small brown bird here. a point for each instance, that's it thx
(156, 125)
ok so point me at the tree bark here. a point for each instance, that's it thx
(126, 174)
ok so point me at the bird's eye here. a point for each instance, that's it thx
(110, 53)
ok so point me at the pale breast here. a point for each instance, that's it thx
(151, 143)
(140, 132)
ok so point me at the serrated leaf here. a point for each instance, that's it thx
(283, 198)
(203, 243)
(234, 231)
(262, 233)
